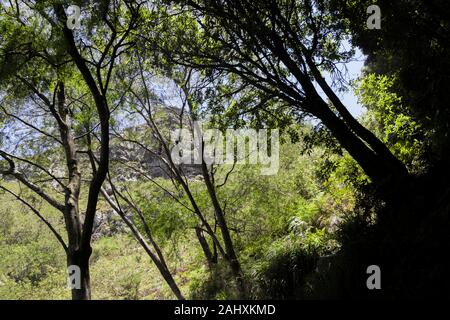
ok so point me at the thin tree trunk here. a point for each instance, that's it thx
(228, 242)
(159, 260)
(210, 257)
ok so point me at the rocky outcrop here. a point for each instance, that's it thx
(107, 223)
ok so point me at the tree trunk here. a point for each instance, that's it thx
(211, 257)
(228, 242)
(383, 152)
(158, 260)
(171, 282)
(76, 255)
(81, 260)
(373, 156)
(376, 166)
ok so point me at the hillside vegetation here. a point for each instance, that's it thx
(207, 149)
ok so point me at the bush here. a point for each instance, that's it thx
(284, 272)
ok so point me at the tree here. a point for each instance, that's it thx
(279, 48)
(41, 62)
(143, 103)
(155, 254)
(415, 52)
(388, 117)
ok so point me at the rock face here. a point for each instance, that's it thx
(129, 161)
(107, 223)
(129, 158)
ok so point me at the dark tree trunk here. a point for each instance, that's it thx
(81, 260)
(76, 254)
(171, 282)
(384, 155)
(228, 242)
(159, 260)
(211, 257)
(383, 171)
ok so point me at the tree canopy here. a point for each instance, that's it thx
(102, 101)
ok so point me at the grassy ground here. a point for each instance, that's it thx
(32, 263)
(276, 221)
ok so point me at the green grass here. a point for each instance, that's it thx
(32, 262)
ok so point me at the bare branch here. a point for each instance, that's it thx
(36, 212)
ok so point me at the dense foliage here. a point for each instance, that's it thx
(90, 118)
